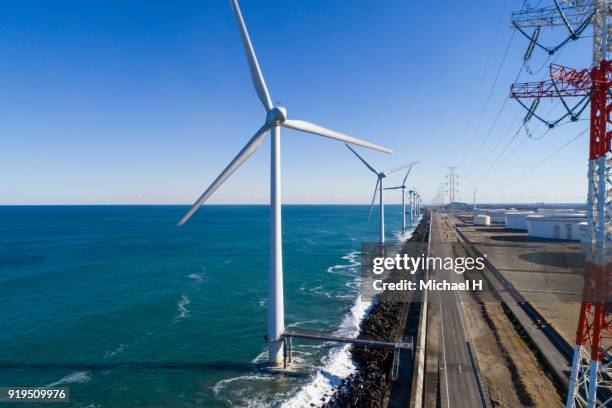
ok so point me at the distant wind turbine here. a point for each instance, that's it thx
(412, 197)
(417, 203)
(403, 188)
(379, 182)
(276, 116)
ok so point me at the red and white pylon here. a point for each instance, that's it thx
(590, 379)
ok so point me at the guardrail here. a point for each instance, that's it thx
(485, 398)
(418, 370)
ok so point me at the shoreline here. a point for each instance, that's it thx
(368, 385)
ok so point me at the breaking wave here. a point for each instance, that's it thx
(78, 377)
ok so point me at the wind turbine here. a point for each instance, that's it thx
(276, 116)
(403, 188)
(417, 203)
(411, 196)
(379, 182)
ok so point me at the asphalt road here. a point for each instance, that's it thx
(458, 380)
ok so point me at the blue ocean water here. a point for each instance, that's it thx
(127, 309)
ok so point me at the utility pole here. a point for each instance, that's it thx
(452, 185)
(475, 190)
(589, 384)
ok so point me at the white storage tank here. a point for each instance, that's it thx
(566, 226)
(482, 220)
(546, 211)
(496, 214)
(478, 211)
(517, 220)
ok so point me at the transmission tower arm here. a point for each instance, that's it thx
(553, 16)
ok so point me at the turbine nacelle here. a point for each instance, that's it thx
(276, 116)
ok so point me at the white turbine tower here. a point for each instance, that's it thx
(275, 118)
(379, 182)
(412, 196)
(403, 188)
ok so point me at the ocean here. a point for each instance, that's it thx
(128, 310)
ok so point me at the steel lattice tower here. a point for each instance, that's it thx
(590, 382)
(452, 186)
(590, 370)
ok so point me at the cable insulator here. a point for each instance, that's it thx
(532, 43)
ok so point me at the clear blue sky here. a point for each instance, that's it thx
(146, 102)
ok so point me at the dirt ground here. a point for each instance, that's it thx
(514, 375)
(547, 273)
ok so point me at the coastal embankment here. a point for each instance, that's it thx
(370, 385)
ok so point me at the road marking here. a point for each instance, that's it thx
(444, 347)
(459, 307)
(444, 356)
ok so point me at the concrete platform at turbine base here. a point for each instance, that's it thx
(548, 273)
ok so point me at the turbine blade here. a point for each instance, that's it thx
(372, 169)
(244, 154)
(373, 198)
(398, 168)
(409, 170)
(309, 127)
(392, 188)
(256, 76)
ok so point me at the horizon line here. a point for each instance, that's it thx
(267, 204)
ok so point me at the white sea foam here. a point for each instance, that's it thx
(261, 357)
(115, 351)
(182, 306)
(196, 277)
(224, 383)
(302, 323)
(78, 377)
(334, 367)
(246, 392)
(337, 365)
(346, 269)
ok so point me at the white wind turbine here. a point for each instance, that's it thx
(403, 188)
(275, 118)
(379, 184)
(417, 204)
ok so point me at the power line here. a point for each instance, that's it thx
(489, 171)
(486, 65)
(495, 81)
(559, 149)
(523, 66)
(490, 131)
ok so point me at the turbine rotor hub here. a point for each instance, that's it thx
(276, 116)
